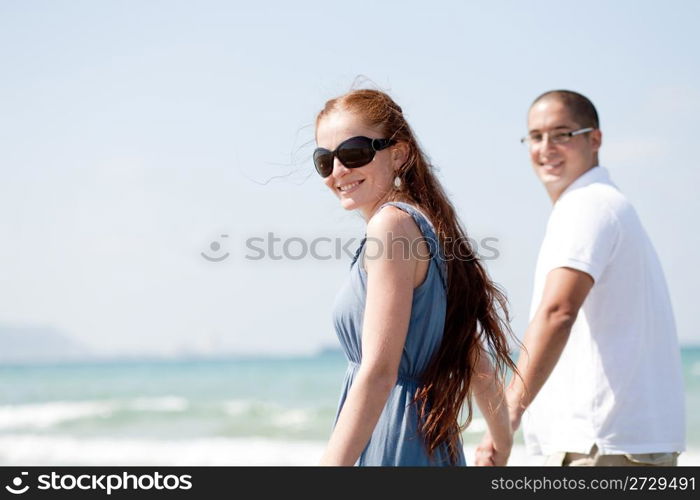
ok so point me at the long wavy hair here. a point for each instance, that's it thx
(477, 321)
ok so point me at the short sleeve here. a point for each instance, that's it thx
(582, 234)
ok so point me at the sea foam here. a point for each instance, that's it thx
(38, 450)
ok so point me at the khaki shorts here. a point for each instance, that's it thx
(593, 458)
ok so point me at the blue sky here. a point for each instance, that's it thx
(134, 134)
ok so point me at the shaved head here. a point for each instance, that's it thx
(579, 106)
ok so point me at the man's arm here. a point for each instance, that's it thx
(545, 338)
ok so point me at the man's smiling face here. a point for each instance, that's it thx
(558, 165)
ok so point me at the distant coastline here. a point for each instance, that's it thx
(37, 344)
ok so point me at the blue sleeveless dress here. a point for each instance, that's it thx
(396, 440)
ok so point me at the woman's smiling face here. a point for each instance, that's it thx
(363, 188)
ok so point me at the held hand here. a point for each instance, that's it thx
(489, 453)
(485, 452)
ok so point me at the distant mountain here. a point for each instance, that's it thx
(20, 344)
(329, 350)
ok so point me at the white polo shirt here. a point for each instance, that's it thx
(618, 383)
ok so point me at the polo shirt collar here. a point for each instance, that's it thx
(596, 174)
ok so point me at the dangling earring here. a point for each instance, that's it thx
(397, 182)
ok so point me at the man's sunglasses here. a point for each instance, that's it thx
(353, 153)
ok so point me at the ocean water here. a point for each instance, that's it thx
(199, 412)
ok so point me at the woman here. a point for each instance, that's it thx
(418, 312)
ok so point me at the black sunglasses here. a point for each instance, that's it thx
(353, 153)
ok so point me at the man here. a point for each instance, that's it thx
(601, 373)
